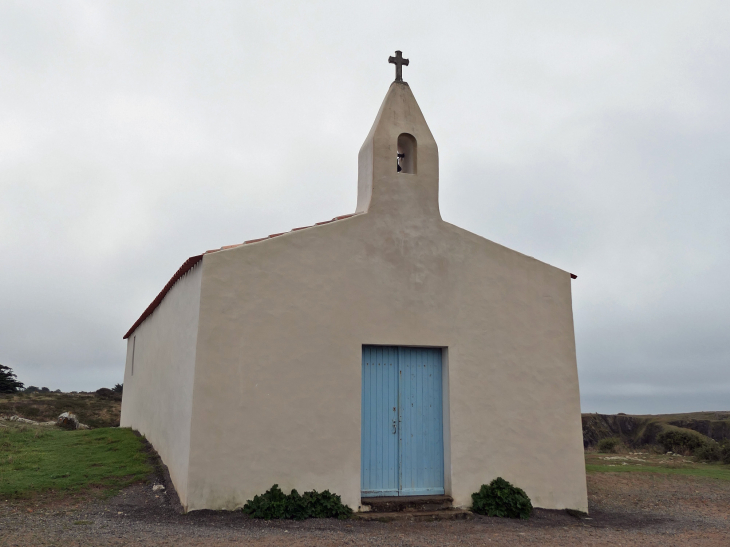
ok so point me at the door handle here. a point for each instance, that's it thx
(394, 430)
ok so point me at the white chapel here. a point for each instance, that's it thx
(384, 352)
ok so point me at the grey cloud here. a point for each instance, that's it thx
(594, 138)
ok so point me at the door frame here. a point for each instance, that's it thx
(445, 408)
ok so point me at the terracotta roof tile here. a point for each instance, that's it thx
(185, 268)
(254, 240)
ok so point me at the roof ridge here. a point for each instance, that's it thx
(271, 236)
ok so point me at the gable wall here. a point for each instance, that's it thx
(282, 324)
(158, 397)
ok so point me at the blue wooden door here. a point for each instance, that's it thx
(402, 422)
(379, 447)
(421, 422)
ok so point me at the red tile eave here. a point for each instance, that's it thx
(573, 276)
(185, 268)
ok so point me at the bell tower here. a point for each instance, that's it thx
(398, 167)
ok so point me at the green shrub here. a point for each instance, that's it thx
(501, 499)
(608, 445)
(681, 442)
(714, 452)
(725, 453)
(274, 504)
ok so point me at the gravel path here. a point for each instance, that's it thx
(625, 509)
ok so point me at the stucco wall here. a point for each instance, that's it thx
(283, 321)
(158, 397)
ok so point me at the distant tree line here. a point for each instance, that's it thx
(8, 381)
(10, 384)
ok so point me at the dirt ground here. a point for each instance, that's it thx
(625, 509)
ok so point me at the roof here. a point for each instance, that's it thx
(190, 263)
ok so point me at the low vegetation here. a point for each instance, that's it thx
(651, 460)
(93, 409)
(36, 459)
(684, 444)
(274, 504)
(714, 452)
(637, 431)
(682, 441)
(501, 499)
(609, 444)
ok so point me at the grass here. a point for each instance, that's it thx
(710, 471)
(652, 462)
(36, 459)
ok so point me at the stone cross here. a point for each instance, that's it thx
(398, 61)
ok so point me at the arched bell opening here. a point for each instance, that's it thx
(406, 154)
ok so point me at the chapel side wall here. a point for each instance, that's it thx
(158, 396)
(278, 381)
(515, 408)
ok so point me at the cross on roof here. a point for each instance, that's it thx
(398, 61)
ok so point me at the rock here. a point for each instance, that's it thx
(22, 420)
(157, 487)
(68, 420)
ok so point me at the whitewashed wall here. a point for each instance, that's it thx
(158, 397)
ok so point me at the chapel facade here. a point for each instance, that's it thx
(383, 353)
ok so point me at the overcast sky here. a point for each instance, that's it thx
(594, 136)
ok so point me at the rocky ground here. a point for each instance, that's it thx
(625, 509)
